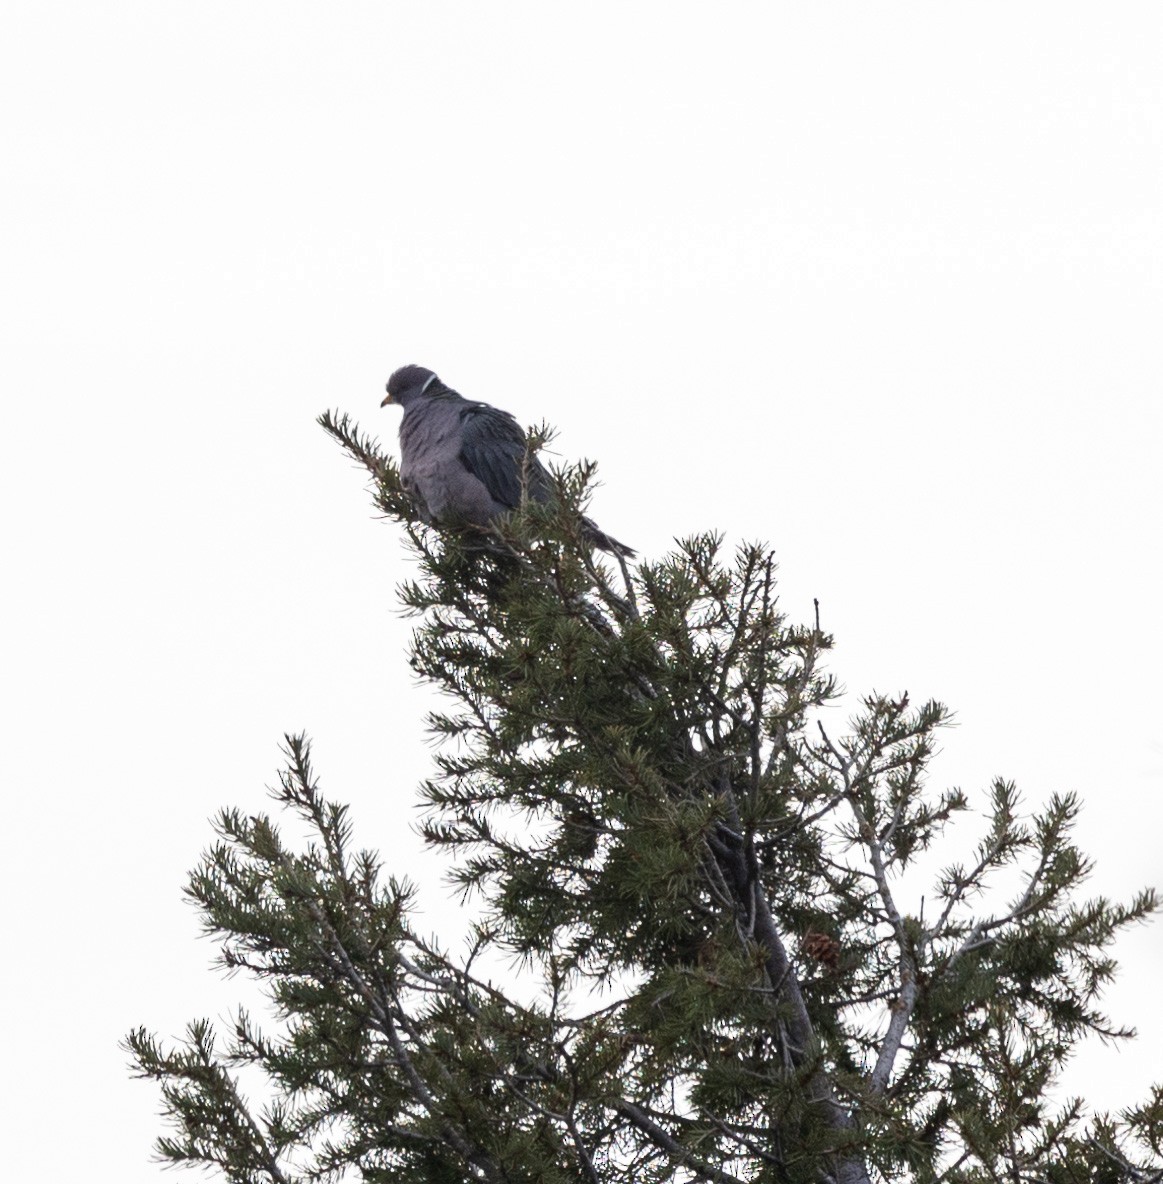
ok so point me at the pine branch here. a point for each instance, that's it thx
(679, 1155)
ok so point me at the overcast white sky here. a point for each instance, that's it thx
(878, 283)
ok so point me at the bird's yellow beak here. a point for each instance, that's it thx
(387, 399)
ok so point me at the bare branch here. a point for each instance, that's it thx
(661, 1139)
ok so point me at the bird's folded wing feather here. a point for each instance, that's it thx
(492, 448)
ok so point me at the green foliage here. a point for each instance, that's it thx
(700, 885)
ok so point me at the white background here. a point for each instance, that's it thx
(878, 283)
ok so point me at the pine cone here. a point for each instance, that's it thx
(821, 948)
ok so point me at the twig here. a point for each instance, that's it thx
(660, 1138)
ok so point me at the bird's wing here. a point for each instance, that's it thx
(492, 448)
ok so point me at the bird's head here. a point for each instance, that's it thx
(409, 383)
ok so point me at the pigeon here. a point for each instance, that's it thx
(465, 462)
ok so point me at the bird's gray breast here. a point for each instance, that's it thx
(431, 438)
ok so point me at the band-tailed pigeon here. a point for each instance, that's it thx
(463, 462)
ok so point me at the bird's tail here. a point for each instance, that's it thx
(605, 542)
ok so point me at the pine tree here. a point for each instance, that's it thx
(718, 977)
